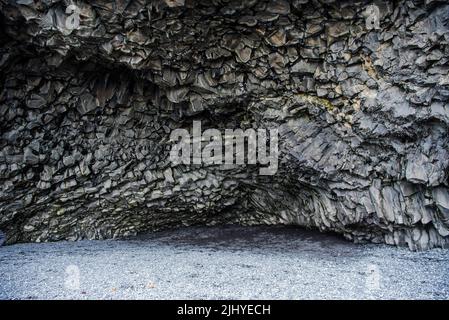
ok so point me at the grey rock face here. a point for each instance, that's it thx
(363, 113)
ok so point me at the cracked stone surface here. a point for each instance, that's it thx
(363, 115)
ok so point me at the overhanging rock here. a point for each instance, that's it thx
(360, 97)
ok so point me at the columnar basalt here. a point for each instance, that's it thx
(362, 111)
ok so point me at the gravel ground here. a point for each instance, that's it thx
(227, 262)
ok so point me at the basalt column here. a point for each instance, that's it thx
(91, 90)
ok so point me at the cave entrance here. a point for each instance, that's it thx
(240, 237)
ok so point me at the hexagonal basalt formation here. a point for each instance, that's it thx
(90, 92)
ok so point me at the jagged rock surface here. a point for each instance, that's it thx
(363, 116)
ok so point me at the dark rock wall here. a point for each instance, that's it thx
(363, 117)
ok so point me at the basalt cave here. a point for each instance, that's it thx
(360, 98)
